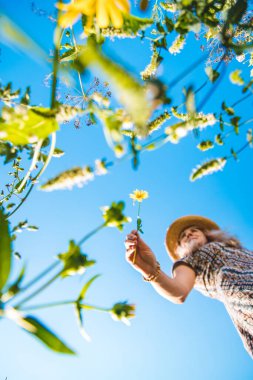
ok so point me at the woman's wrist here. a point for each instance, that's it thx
(154, 274)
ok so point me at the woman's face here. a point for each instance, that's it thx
(191, 238)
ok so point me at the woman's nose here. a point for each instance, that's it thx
(188, 235)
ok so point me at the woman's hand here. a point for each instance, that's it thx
(145, 260)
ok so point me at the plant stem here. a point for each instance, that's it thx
(63, 303)
(23, 199)
(45, 305)
(57, 40)
(39, 174)
(138, 214)
(34, 161)
(35, 279)
(39, 289)
(187, 71)
(50, 154)
(86, 237)
(78, 73)
(91, 307)
(215, 85)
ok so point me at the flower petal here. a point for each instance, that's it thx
(102, 14)
(68, 19)
(115, 14)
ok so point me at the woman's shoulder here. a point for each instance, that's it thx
(209, 248)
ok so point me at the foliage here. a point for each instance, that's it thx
(73, 262)
(128, 107)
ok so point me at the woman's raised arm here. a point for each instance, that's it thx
(174, 289)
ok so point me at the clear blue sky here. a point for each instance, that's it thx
(194, 340)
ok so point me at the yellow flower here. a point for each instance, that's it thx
(139, 195)
(105, 11)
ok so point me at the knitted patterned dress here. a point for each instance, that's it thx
(226, 274)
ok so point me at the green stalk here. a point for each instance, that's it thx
(78, 73)
(86, 237)
(32, 166)
(49, 282)
(57, 41)
(138, 214)
(91, 307)
(63, 303)
(45, 305)
(34, 280)
(20, 204)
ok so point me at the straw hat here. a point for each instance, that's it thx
(175, 229)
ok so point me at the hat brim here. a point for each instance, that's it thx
(175, 229)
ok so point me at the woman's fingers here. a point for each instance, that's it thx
(130, 254)
(130, 239)
(130, 245)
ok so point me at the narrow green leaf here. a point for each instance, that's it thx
(221, 123)
(236, 12)
(234, 154)
(5, 250)
(235, 123)
(86, 287)
(80, 323)
(14, 287)
(228, 110)
(127, 89)
(190, 100)
(212, 74)
(247, 86)
(47, 336)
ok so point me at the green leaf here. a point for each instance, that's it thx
(58, 152)
(74, 261)
(190, 102)
(26, 97)
(114, 216)
(245, 88)
(8, 150)
(80, 322)
(249, 137)
(86, 287)
(7, 95)
(212, 74)
(22, 125)
(205, 145)
(235, 123)
(5, 250)
(14, 287)
(169, 24)
(47, 336)
(32, 228)
(131, 26)
(221, 123)
(228, 110)
(236, 12)
(218, 139)
(127, 90)
(69, 55)
(234, 154)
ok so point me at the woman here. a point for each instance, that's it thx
(206, 258)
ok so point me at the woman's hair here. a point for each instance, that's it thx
(212, 235)
(222, 236)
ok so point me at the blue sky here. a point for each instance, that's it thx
(194, 340)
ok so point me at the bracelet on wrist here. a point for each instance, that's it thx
(154, 276)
